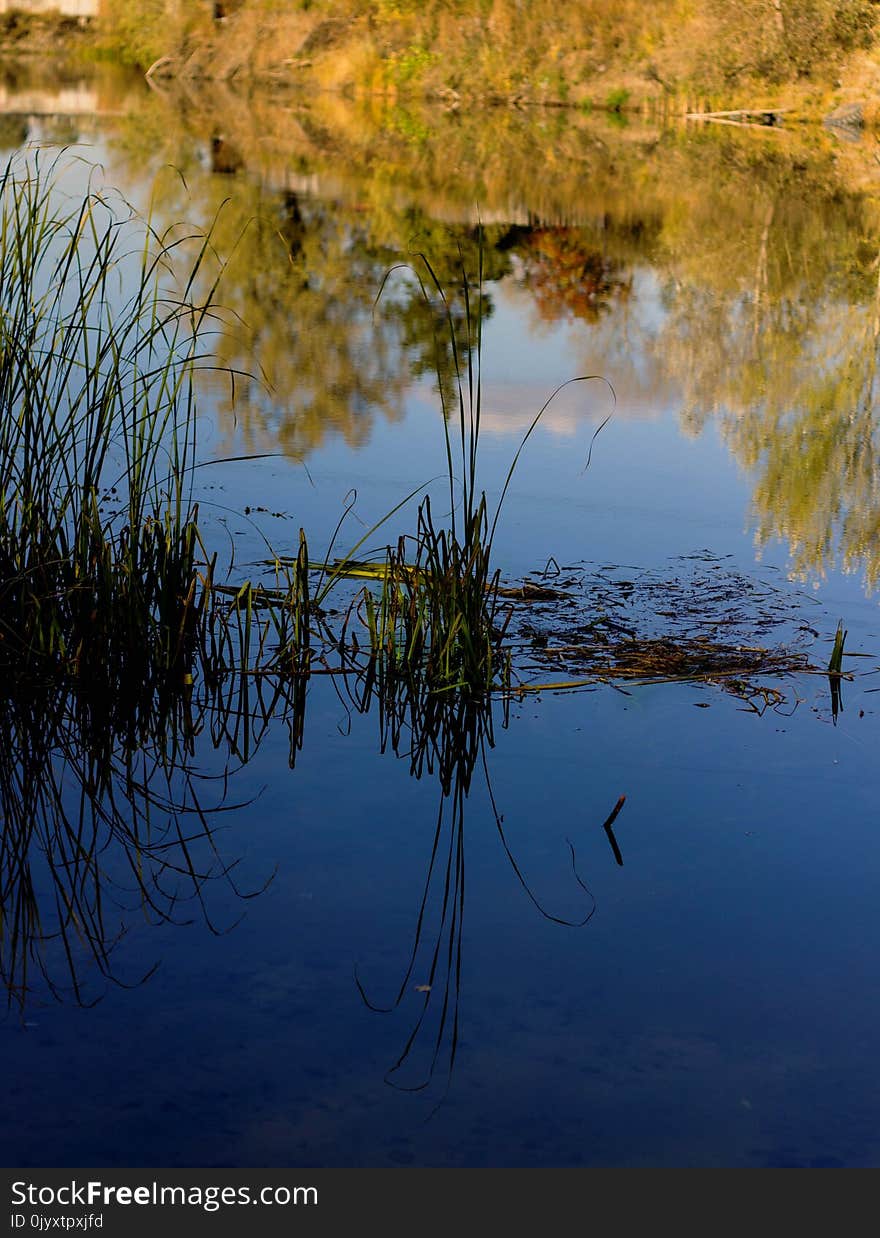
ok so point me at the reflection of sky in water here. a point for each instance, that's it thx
(522, 348)
(647, 492)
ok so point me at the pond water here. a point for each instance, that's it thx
(710, 1001)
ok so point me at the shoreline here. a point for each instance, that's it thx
(238, 51)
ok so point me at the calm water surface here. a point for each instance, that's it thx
(719, 1004)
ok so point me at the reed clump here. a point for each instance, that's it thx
(439, 611)
(105, 578)
(102, 575)
(430, 606)
(436, 612)
(106, 584)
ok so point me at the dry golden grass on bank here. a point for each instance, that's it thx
(670, 56)
(673, 55)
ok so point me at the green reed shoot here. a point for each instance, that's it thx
(835, 664)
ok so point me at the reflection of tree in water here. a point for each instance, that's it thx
(302, 284)
(440, 288)
(816, 452)
(774, 334)
(763, 256)
(767, 327)
(568, 276)
(14, 132)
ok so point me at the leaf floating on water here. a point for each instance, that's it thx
(423, 988)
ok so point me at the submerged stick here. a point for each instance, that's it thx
(612, 817)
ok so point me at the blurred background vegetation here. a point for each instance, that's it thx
(671, 53)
